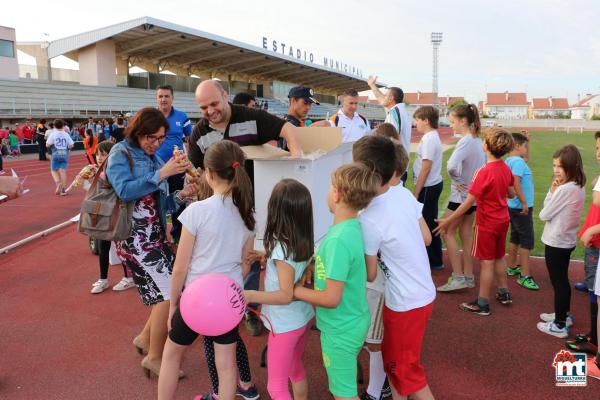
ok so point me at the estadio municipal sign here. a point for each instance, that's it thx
(297, 53)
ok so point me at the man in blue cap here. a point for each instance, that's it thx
(301, 101)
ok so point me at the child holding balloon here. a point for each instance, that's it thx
(289, 245)
(246, 389)
(217, 233)
(340, 279)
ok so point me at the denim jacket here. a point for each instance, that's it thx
(143, 180)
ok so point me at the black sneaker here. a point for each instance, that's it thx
(253, 324)
(386, 391)
(248, 394)
(205, 396)
(504, 298)
(582, 344)
(366, 396)
(475, 308)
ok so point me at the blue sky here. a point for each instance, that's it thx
(544, 48)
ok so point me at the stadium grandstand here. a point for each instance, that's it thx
(109, 81)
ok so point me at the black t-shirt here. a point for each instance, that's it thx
(293, 120)
(117, 133)
(247, 126)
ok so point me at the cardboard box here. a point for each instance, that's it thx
(323, 153)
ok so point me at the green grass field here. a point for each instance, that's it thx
(542, 147)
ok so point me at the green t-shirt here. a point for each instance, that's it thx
(14, 140)
(341, 257)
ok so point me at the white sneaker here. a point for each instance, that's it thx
(124, 284)
(99, 286)
(551, 329)
(470, 281)
(549, 317)
(454, 283)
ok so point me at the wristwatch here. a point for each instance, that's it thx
(178, 199)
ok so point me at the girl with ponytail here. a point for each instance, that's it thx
(217, 234)
(468, 156)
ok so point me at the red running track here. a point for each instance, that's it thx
(39, 209)
(58, 341)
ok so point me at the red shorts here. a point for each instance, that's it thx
(401, 348)
(489, 244)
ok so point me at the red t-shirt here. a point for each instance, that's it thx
(490, 186)
(592, 218)
(27, 132)
(19, 133)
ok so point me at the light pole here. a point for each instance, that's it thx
(436, 41)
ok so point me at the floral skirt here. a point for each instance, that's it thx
(147, 254)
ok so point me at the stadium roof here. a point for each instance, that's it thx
(167, 44)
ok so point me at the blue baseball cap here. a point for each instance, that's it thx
(304, 93)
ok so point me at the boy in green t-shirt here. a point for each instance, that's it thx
(340, 279)
(14, 144)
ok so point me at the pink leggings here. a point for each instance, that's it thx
(284, 361)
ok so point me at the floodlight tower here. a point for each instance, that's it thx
(436, 41)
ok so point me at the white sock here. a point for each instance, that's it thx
(376, 374)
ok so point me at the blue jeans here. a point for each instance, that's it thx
(252, 281)
(590, 265)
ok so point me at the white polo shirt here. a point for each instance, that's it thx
(352, 128)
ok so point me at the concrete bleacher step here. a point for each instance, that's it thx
(24, 98)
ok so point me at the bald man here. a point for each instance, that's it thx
(243, 125)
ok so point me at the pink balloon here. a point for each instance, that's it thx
(212, 305)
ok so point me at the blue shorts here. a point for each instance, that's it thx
(55, 165)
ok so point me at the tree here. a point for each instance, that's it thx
(455, 103)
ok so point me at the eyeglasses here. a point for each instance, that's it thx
(153, 139)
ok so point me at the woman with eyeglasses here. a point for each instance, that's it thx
(138, 175)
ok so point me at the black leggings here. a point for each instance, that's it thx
(429, 197)
(241, 356)
(41, 147)
(557, 262)
(103, 252)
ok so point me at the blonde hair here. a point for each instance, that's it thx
(499, 142)
(357, 184)
(204, 189)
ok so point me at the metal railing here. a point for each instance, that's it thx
(32, 108)
(568, 125)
